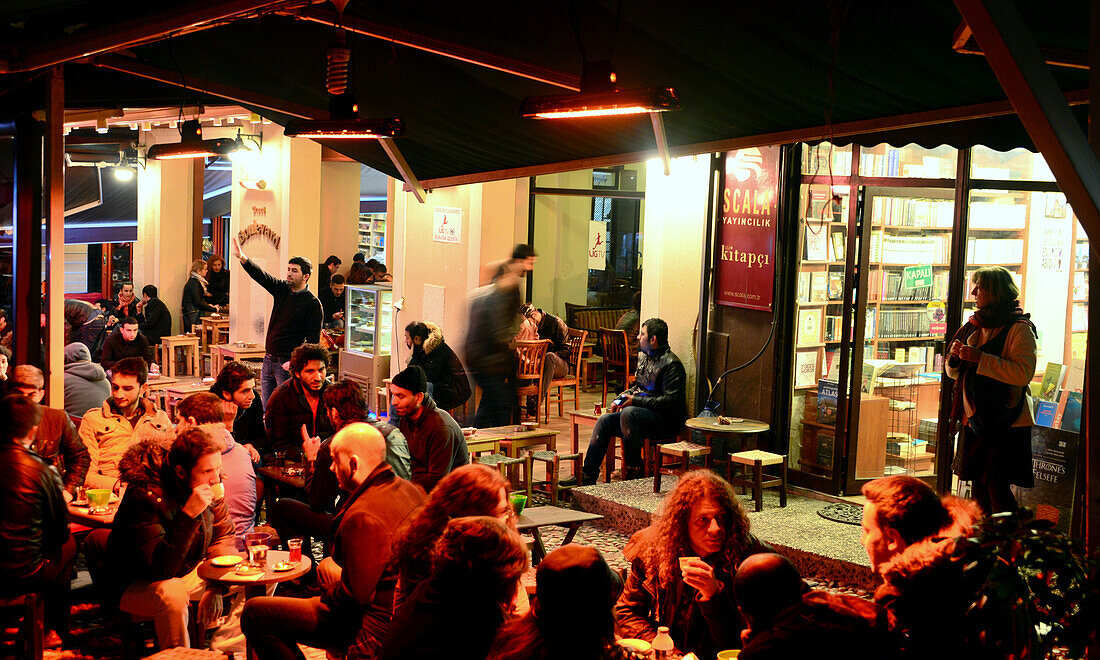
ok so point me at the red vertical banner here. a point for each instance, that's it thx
(747, 223)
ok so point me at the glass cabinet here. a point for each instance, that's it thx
(366, 355)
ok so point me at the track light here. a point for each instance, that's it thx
(191, 145)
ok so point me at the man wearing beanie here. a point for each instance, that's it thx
(436, 445)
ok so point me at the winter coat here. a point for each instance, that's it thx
(248, 427)
(287, 410)
(660, 384)
(152, 539)
(704, 627)
(194, 297)
(57, 443)
(155, 321)
(553, 328)
(117, 348)
(826, 626)
(436, 445)
(217, 287)
(34, 522)
(107, 435)
(925, 591)
(86, 385)
(450, 386)
(363, 531)
(494, 317)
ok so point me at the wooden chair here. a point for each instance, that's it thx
(32, 628)
(532, 357)
(617, 360)
(571, 379)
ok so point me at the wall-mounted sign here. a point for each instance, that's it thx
(916, 277)
(257, 228)
(597, 245)
(747, 222)
(447, 224)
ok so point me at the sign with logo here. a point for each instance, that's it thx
(257, 228)
(916, 277)
(447, 224)
(937, 317)
(747, 222)
(597, 245)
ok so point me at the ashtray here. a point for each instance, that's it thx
(226, 560)
(292, 471)
(245, 569)
(283, 567)
(468, 431)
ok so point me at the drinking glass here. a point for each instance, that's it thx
(257, 555)
(295, 548)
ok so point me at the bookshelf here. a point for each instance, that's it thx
(372, 235)
(1077, 311)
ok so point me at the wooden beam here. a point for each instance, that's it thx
(198, 180)
(398, 159)
(443, 48)
(27, 240)
(961, 43)
(143, 29)
(54, 174)
(810, 134)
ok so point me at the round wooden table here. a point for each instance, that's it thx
(710, 427)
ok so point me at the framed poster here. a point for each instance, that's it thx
(747, 221)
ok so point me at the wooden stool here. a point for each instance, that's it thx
(684, 451)
(553, 460)
(190, 346)
(609, 457)
(32, 629)
(758, 459)
(502, 462)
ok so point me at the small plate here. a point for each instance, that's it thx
(245, 569)
(283, 566)
(226, 560)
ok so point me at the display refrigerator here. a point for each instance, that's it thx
(365, 358)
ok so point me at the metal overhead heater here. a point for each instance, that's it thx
(191, 145)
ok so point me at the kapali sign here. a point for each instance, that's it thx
(258, 228)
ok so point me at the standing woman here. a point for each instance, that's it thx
(992, 359)
(194, 295)
(217, 282)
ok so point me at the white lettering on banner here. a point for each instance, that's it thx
(753, 259)
(447, 224)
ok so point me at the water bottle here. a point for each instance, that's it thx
(662, 644)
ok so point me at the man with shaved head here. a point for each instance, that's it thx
(356, 603)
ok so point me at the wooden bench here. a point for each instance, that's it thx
(582, 317)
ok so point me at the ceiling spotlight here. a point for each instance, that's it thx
(191, 145)
(599, 97)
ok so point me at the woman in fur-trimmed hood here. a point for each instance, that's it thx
(450, 387)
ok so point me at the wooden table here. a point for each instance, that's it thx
(156, 386)
(180, 391)
(213, 327)
(223, 353)
(577, 418)
(479, 442)
(168, 346)
(275, 479)
(81, 515)
(545, 516)
(710, 428)
(513, 442)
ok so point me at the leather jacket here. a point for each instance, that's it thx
(34, 521)
(58, 444)
(660, 385)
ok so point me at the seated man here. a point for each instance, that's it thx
(126, 342)
(910, 535)
(86, 384)
(204, 410)
(448, 384)
(683, 565)
(556, 365)
(436, 443)
(332, 299)
(785, 620)
(154, 319)
(654, 407)
(56, 440)
(36, 550)
(298, 401)
(108, 431)
(167, 523)
(236, 387)
(355, 609)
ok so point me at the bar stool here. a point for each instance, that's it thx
(189, 344)
(682, 451)
(758, 459)
(502, 462)
(553, 462)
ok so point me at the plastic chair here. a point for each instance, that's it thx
(616, 359)
(532, 357)
(571, 379)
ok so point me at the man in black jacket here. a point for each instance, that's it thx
(297, 403)
(154, 319)
(436, 444)
(56, 440)
(36, 550)
(332, 301)
(168, 522)
(126, 342)
(236, 384)
(654, 407)
(556, 364)
(355, 608)
(295, 317)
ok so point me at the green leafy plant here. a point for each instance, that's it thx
(1038, 595)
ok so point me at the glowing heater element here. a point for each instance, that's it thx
(601, 104)
(345, 129)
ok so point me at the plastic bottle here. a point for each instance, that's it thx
(662, 644)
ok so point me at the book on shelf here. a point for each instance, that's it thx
(805, 368)
(913, 212)
(832, 328)
(1075, 375)
(869, 326)
(910, 250)
(837, 243)
(1071, 412)
(1081, 256)
(803, 287)
(1079, 317)
(827, 393)
(997, 215)
(994, 250)
(903, 324)
(1044, 413)
(835, 286)
(819, 286)
(809, 327)
(1052, 380)
(1081, 285)
(817, 242)
(888, 373)
(831, 366)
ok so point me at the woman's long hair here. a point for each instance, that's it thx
(479, 554)
(470, 490)
(672, 539)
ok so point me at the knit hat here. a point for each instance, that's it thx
(77, 352)
(412, 379)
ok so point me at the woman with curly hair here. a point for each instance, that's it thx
(476, 567)
(470, 490)
(682, 568)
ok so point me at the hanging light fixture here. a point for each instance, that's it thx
(344, 122)
(191, 145)
(599, 97)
